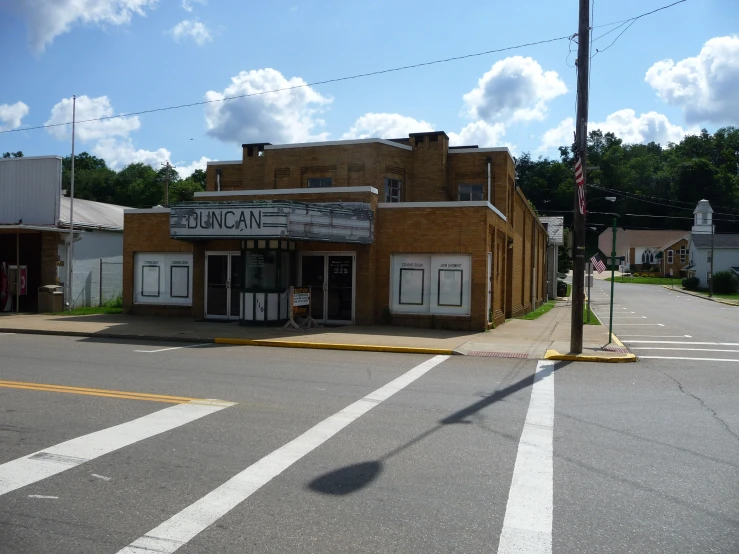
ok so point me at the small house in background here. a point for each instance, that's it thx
(34, 238)
(705, 242)
(556, 238)
(642, 249)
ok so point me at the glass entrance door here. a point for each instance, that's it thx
(331, 278)
(313, 273)
(222, 285)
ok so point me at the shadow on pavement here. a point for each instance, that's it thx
(352, 478)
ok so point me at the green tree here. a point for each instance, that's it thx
(138, 185)
(18, 154)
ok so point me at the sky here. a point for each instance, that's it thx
(669, 74)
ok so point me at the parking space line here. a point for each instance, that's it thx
(527, 526)
(692, 359)
(682, 342)
(675, 348)
(174, 348)
(96, 392)
(639, 324)
(198, 516)
(66, 455)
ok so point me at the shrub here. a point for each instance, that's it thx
(691, 283)
(724, 283)
(116, 302)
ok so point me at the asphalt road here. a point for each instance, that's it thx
(360, 452)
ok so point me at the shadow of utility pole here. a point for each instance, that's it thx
(351, 478)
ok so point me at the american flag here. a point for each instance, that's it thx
(580, 182)
(599, 266)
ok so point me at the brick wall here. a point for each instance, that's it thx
(149, 232)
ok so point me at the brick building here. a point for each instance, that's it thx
(406, 231)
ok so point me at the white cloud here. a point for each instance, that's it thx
(120, 152)
(185, 169)
(479, 133)
(386, 125)
(89, 108)
(278, 117)
(648, 127)
(47, 19)
(705, 86)
(187, 5)
(191, 29)
(515, 89)
(561, 135)
(11, 115)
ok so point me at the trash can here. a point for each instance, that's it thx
(50, 299)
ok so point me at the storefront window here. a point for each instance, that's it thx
(162, 278)
(261, 270)
(431, 284)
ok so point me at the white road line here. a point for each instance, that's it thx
(198, 516)
(630, 317)
(527, 526)
(173, 348)
(43, 496)
(103, 477)
(639, 324)
(681, 358)
(674, 348)
(55, 459)
(682, 342)
(1, 334)
(658, 337)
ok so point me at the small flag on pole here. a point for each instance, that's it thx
(598, 265)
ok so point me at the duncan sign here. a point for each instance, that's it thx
(350, 222)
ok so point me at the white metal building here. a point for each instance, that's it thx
(34, 236)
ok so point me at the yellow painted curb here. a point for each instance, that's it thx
(555, 355)
(335, 346)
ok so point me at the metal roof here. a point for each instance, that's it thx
(555, 228)
(719, 241)
(92, 215)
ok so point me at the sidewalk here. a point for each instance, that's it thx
(545, 337)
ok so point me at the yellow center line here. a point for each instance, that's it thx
(97, 392)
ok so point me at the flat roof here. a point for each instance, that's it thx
(30, 158)
(338, 143)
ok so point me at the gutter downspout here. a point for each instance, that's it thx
(489, 159)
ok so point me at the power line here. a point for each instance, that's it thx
(315, 83)
(663, 204)
(337, 79)
(640, 15)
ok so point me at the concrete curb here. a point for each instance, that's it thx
(555, 355)
(336, 346)
(703, 296)
(241, 342)
(82, 334)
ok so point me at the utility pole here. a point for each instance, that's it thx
(166, 184)
(581, 143)
(70, 248)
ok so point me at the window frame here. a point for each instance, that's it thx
(670, 257)
(320, 181)
(683, 254)
(390, 186)
(461, 287)
(187, 281)
(470, 189)
(143, 280)
(400, 286)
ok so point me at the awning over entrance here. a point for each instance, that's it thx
(348, 222)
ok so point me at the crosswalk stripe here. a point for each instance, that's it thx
(198, 516)
(673, 348)
(56, 459)
(527, 525)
